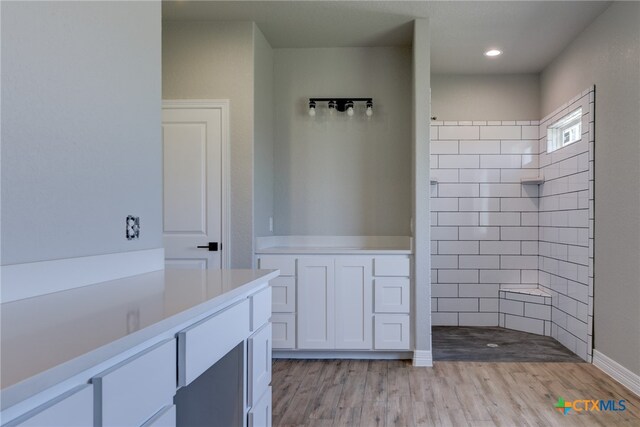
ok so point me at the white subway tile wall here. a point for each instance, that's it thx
(481, 229)
(566, 229)
(491, 231)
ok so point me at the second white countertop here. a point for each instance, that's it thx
(339, 245)
(332, 250)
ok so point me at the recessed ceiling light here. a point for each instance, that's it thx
(493, 52)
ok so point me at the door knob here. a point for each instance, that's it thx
(212, 246)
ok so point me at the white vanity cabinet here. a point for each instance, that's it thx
(392, 303)
(219, 338)
(118, 390)
(204, 343)
(219, 342)
(351, 302)
(72, 409)
(259, 361)
(135, 392)
(283, 289)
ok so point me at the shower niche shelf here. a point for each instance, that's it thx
(533, 180)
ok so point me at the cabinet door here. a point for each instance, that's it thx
(259, 364)
(392, 295)
(353, 302)
(316, 296)
(284, 294)
(392, 332)
(260, 414)
(284, 330)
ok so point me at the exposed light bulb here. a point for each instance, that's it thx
(369, 112)
(350, 111)
(312, 111)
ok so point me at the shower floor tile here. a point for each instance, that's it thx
(462, 343)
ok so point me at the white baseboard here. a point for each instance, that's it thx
(19, 281)
(617, 371)
(422, 358)
(333, 354)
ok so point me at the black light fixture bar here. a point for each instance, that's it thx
(340, 104)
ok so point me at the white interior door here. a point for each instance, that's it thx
(192, 141)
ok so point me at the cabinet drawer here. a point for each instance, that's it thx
(132, 391)
(203, 344)
(283, 290)
(392, 266)
(260, 413)
(72, 409)
(260, 308)
(391, 332)
(283, 327)
(259, 364)
(166, 417)
(391, 295)
(286, 264)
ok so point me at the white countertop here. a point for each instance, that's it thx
(332, 250)
(348, 245)
(49, 338)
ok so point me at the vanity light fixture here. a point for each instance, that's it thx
(493, 52)
(342, 104)
(349, 106)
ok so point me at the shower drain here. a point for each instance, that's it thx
(492, 345)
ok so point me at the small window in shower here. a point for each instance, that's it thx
(565, 131)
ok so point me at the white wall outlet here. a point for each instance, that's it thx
(271, 224)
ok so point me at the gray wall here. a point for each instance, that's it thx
(336, 175)
(214, 60)
(263, 134)
(485, 97)
(421, 83)
(80, 128)
(607, 54)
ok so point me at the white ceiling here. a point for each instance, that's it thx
(531, 33)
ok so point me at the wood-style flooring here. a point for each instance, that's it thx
(393, 393)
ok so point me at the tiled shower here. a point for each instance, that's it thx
(512, 226)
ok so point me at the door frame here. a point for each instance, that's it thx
(223, 106)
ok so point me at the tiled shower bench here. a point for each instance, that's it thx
(525, 309)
